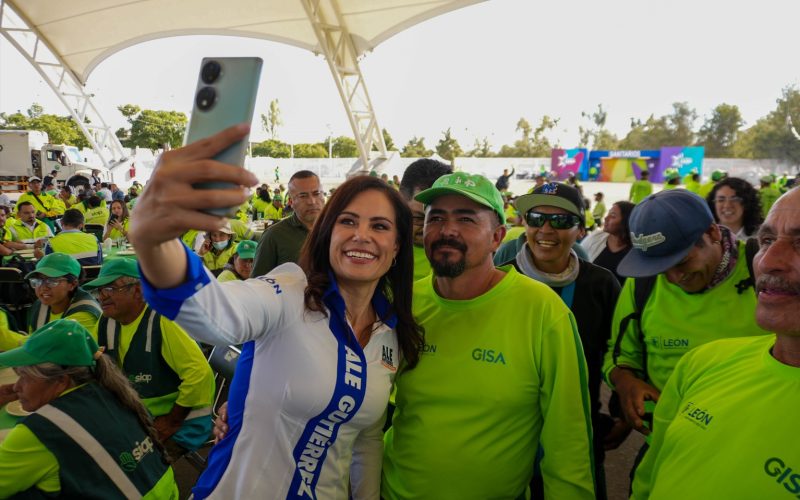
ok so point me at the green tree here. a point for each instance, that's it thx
(772, 136)
(448, 146)
(343, 147)
(272, 148)
(36, 110)
(720, 131)
(482, 149)
(272, 120)
(152, 129)
(59, 129)
(534, 141)
(597, 136)
(317, 150)
(415, 148)
(674, 129)
(387, 139)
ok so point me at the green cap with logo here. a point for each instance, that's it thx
(112, 270)
(246, 249)
(63, 342)
(475, 187)
(55, 265)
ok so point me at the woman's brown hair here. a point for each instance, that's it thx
(396, 284)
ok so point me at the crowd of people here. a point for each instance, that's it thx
(430, 336)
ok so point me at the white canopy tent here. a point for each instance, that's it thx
(65, 41)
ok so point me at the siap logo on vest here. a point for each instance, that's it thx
(141, 378)
(387, 358)
(129, 460)
(700, 417)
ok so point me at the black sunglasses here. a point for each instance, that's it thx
(557, 221)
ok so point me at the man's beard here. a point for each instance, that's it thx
(446, 268)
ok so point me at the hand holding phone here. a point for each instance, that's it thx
(225, 96)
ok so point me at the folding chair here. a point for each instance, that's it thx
(223, 363)
(96, 229)
(90, 273)
(16, 295)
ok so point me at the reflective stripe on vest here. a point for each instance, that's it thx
(92, 448)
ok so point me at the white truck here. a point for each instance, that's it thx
(24, 153)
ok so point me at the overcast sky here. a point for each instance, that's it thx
(479, 69)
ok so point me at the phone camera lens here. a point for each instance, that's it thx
(206, 98)
(210, 72)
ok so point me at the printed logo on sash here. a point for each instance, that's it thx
(387, 358)
(351, 385)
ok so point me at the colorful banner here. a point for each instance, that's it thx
(566, 161)
(684, 159)
(622, 169)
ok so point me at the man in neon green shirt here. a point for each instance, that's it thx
(701, 292)
(641, 188)
(501, 374)
(165, 366)
(725, 425)
(419, 176)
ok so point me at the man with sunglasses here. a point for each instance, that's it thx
(165, 366)
(554, 220)
(700, 290)
(501, 371)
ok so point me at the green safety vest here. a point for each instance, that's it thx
(82, 246)
(101, 448)
(151, 376)
(22, 233)
(82, 301)
(97, 215)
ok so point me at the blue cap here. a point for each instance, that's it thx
(664, 227)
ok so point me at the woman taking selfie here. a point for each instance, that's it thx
(323, 340)
(118, 221)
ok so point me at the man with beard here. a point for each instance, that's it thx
(417, 177)
(501, 373)
(725, 420)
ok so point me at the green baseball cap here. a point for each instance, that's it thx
(246, 249)
(63, 342)
(55, 265)
(475, 187)
(718, 175)
(112, 270)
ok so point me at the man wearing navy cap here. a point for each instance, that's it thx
(700, 290)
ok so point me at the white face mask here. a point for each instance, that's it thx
(220, 245)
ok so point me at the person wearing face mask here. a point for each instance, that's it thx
(554, 218)
(217, 249)
(700, 290)
(241, 264)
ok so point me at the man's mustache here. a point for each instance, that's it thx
(776, 283)
(450, 243)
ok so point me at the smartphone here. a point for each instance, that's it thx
(112, 218)
(225, 96)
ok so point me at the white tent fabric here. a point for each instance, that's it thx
(85, 32)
